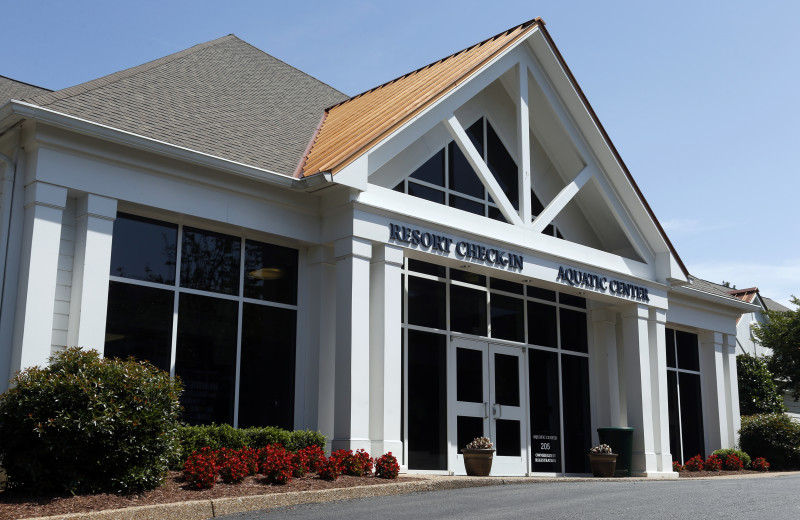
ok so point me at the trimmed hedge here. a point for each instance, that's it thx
(89, 424)
(216, 436)
(743, 456)
(772, 436)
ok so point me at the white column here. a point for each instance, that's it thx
(90, 270)
(637, 384)
(713, 382)
(321, 318)
(524, 145)
(732, 391)
(351, 409)
(607, 402)
(658, 384)
(36, 290)
(385, 359)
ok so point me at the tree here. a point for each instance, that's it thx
(781, 333)
(757, 391)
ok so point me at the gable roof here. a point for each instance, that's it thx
(353, 126)
(13, 89)
(224, 98)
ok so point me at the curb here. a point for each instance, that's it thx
(204, 509)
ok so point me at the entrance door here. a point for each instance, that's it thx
(488, 400)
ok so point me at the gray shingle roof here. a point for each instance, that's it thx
(13, 89)
(711, 288)
(223, 97)
(772, 305)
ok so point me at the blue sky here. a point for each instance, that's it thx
(699, 97)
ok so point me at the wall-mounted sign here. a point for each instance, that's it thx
(463, 250)
(586, 280)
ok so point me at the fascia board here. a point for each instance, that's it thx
(546, 58)
(412, 209)
(108, 133)
(732, 303)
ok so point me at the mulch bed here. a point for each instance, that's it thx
(14, 505)
(721, 473)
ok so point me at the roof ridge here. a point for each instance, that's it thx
(52, 97)
(291, 66)
(523, 25)
(25, 83)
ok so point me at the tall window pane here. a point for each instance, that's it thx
(139, 323)
(426, 303)
(502, 166)
(144, 249)
(577, 419)
(210, 261)
(266, 387)
(270, 272)
(427, 400)
(206, 357)
(545, 409)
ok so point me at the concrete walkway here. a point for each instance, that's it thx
(202, 509)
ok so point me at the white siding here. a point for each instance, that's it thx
(64, 278)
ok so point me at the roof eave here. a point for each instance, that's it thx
(720, 300)
(107, 133)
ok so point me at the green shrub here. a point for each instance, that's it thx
(743, 456)
(757, 390)
(216, 436)
(772, 436)
(89, 424)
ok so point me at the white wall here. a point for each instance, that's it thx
(66, 254)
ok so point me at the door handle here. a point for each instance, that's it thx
(486, 410)
(497, 411)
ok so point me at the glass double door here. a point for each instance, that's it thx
(488, 400)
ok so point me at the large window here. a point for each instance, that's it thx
(551, 326)
(219, 311)
(447, 178)
(684, 396)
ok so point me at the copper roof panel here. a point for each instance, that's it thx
(360, 122)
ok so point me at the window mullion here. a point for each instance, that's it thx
(174, 346)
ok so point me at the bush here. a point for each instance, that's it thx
(233, 465)
(314, 456)
(276, 464)
(216, 436)
(89, 424)
(200, 469)
(743, 456)
(772, 436)
(695, 463)
(733, 463)
(713, 463)
(329, 468)
(757, 390)
(386, 466)
(676, 466)
(761, 464)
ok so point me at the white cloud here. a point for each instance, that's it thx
(778, 281)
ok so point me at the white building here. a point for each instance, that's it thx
(458, 252)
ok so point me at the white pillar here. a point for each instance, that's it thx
(732, 390)
(385, 359)
(713, 381)
(606, 388)
(36, 290)
(637, 384)
(90, 270)
(351, 409)
(658, 385)
(322, 338)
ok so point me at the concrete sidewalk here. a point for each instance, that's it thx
(202, 509)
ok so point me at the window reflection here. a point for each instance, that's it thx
(210, 261)
(147, 252)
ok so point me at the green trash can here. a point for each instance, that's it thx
(621, 442)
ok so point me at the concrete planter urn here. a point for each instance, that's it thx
(602, 461)
(478, 456)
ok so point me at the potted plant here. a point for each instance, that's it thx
(603, 461)
(478, 456)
